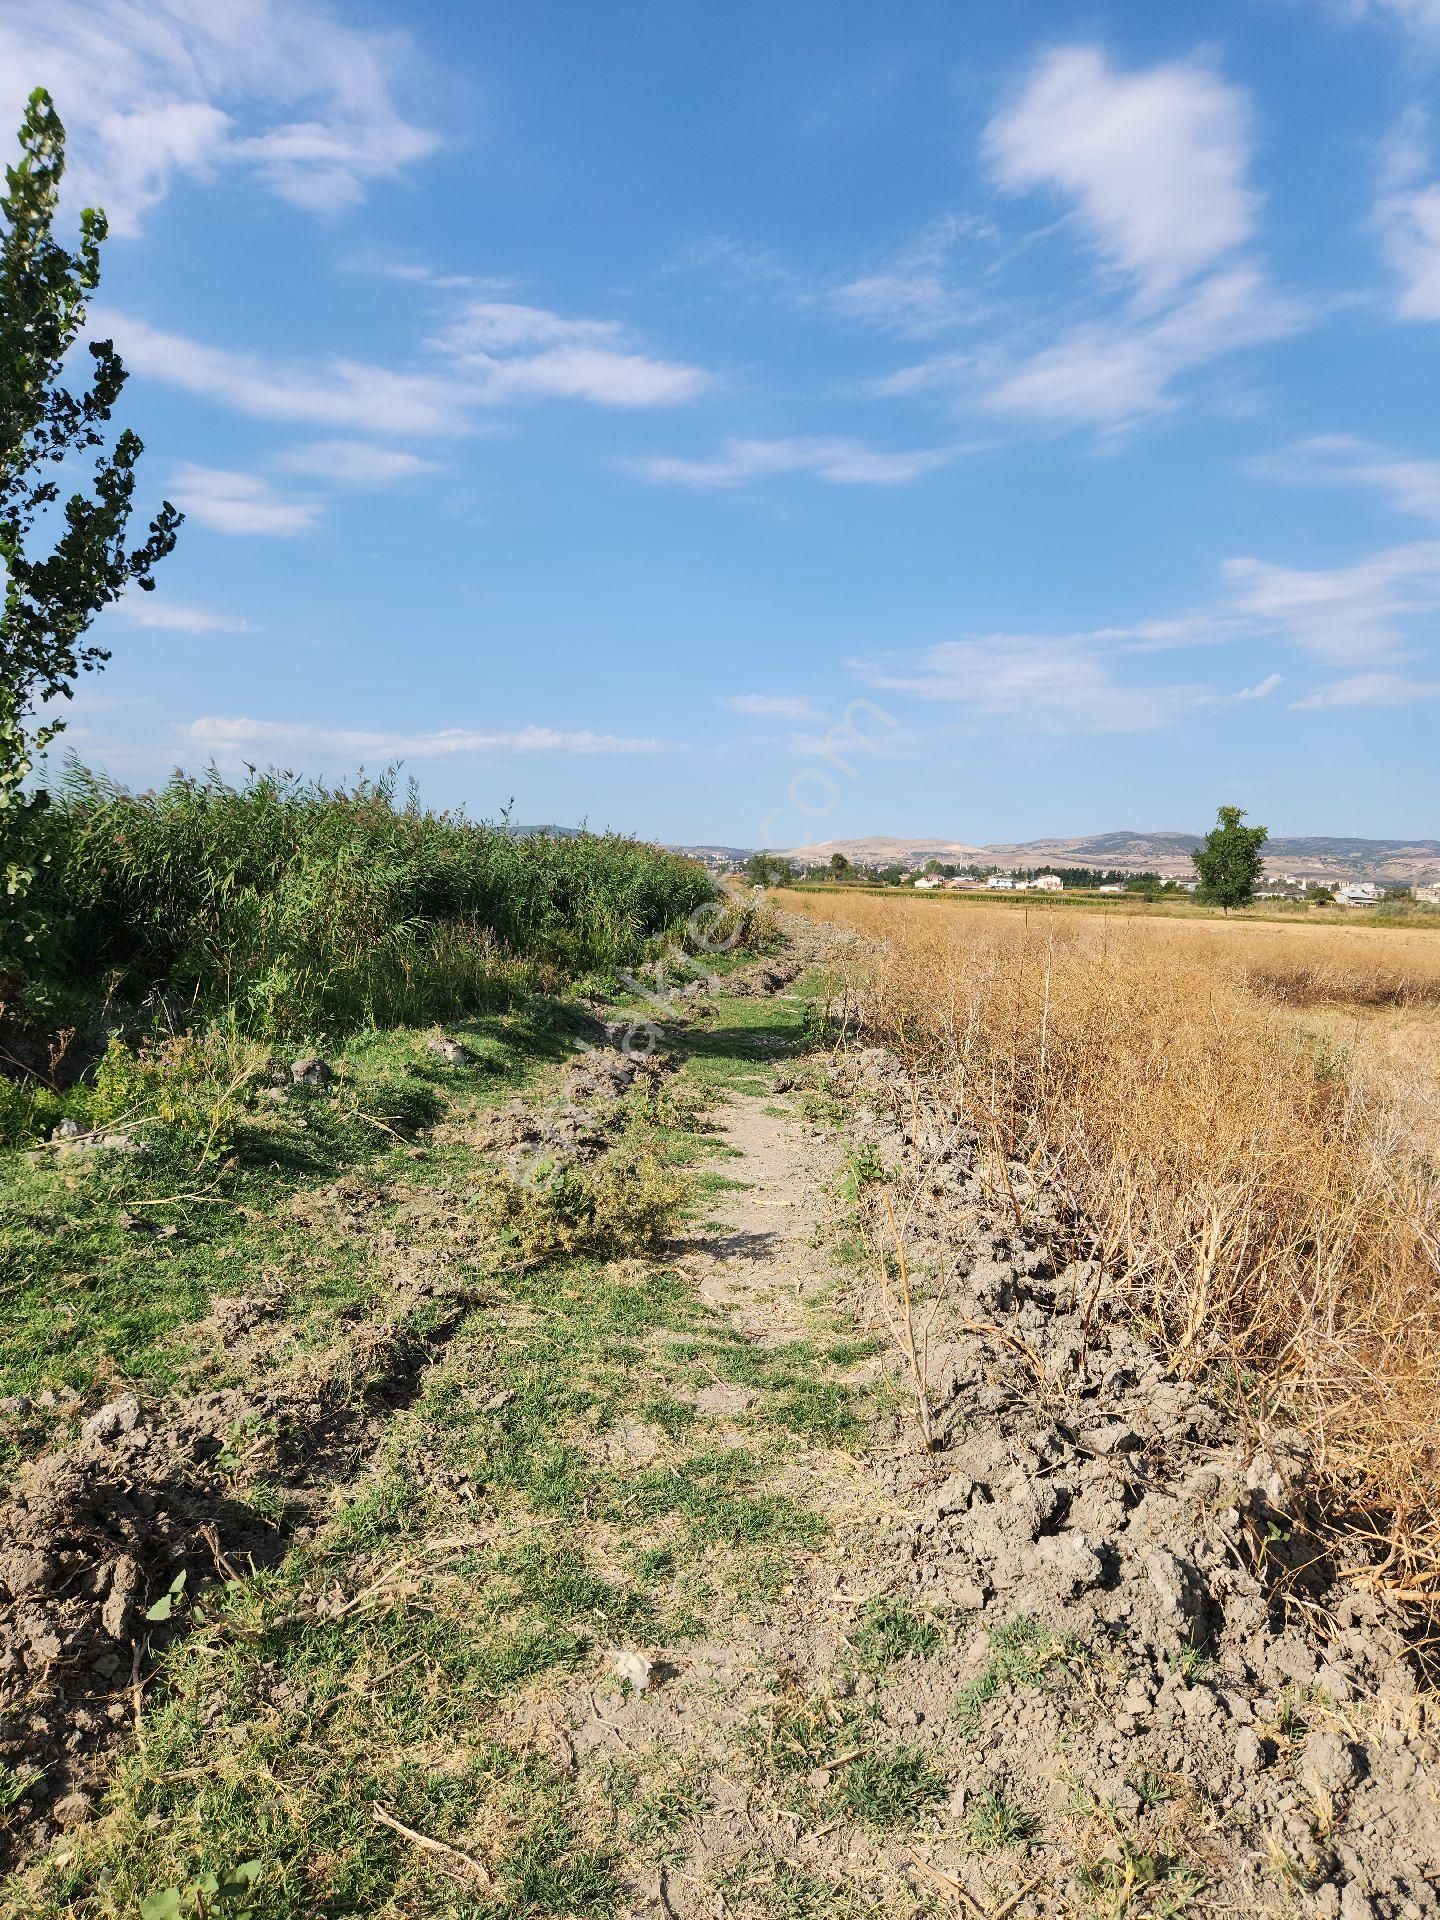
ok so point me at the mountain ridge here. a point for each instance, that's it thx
(1164, 851)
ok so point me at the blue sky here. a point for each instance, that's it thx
(770, 424)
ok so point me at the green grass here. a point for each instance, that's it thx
(889, 1789)
(1023, 1653)
(890, 1630)
(490, 1551)
(993, 1821)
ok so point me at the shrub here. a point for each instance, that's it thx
(626, 1204)
(304, 908)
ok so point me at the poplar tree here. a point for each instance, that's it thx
(64, 554)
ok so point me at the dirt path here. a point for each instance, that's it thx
(766, 1267)
(647, 1599)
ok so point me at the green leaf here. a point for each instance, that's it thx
(161, 1610)
(162, 1906)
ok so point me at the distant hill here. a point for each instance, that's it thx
(1129, 850)
(881, 851)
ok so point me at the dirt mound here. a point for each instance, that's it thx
(150, 1502)
(1108, 1525)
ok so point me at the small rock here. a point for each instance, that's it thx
(1074, 1559)
(310, 1071)
(1176, 1585)
(1249, 1756)
(67, 1130)
(1354, 1904)
(1115, 1437)
(120, 1416)
(73, 1810)
(632, 1667)
(16, 1405)
(448, 1050)
(1327, 1764)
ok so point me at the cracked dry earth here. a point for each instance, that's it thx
(1131, 1681)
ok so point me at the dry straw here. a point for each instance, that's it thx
(1273, 1207)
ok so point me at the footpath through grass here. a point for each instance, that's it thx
(550, 1491)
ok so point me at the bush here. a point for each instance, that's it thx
(626, 1204)
(303, 908)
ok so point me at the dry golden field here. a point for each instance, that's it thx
(1246, 1117)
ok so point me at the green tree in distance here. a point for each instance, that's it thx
(63, 560)
(839, 866)
(1230, 860)
(769, 870)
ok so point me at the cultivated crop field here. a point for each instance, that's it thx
(1246, 1115)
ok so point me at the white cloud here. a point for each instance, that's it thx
(224, 735)
(1407, 213)
(1037, 684)
(355, 463)
(1422, 17)
(1154, 164)
(242, 503)
(841, 462)
(1346, 616)
(1114, 372)
(772, 706)
(1155, 161)
(338, 393)
(150, 89)
(361, 398)
(1410, 486)
(495, 326)
(911, 291)
(1370, 690)
(173, 616)
(1262, 689)
(519, 352)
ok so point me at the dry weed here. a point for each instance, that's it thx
(1274, 1204)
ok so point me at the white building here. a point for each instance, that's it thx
(927, 881)
(1000, 883)
(1048, 883)
(1113, 887)
(1359, 893)
(1428, 895)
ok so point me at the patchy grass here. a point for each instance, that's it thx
(993, 1821)
(1023, 1653)
(495, 1545)
(890, 1630)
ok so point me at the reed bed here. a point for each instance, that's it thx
(1273, 1208)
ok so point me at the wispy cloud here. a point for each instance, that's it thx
(1115, 372)
(912, 290)
(1421, 17)
(440, 400)
(1038, 684)
(284, 90)
(772, 706)
(841, 462)
(337, 392)
(1338, 460)
(1154, 162)
(174, 616)
(1153, 165)
(243, 503)
(1346, 616)
(1407, 213)
(356, 463)
(1262, 688)
(230, 736)
(1370, 690)
(519, 352)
